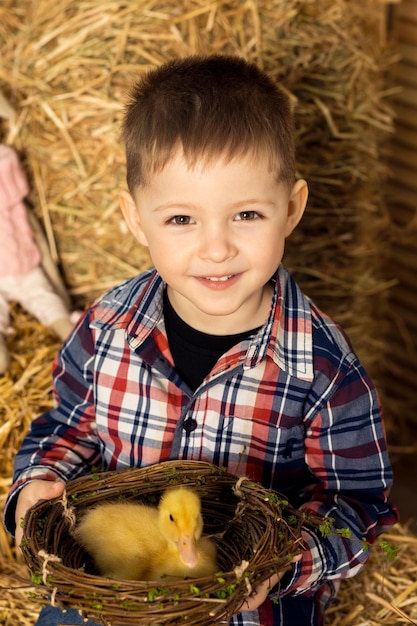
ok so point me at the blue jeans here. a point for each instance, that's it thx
(54, 616)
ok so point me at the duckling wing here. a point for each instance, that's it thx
(122, 538)
(207, 558)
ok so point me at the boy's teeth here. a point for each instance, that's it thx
(218, 278)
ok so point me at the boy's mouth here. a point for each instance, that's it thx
(219, 283)
(218, 278)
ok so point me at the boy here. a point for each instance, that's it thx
(216, 354)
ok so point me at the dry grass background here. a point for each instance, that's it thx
(66, 67)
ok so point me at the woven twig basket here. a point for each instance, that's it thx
(256, 531)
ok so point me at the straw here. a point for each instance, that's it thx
(65, 70)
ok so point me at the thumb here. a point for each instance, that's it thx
(42, 490)
(55, 489)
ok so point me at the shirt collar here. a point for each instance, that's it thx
(286, 336)
(137, 306)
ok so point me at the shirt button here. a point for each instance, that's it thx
(189, 425)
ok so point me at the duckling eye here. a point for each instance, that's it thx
(171, 517)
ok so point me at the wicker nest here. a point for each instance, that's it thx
(256, 531)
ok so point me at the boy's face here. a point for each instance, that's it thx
(216, 235)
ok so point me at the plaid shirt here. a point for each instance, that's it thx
(290, 407)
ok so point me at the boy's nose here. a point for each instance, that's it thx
(217, 246)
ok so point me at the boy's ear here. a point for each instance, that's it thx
(131, 215)
(296, 205)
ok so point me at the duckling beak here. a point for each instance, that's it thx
(187, 549)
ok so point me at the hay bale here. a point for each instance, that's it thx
(16, 607)
(384, 593)
(25, 391)
(66, 68)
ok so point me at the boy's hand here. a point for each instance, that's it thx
(30, 495)
(260, 594)
(252, 602)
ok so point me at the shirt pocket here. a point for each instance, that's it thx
(262, 450)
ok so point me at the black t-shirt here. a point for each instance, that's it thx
(195, 352)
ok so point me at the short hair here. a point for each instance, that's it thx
(211, 107)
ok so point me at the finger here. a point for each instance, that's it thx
(260, 594)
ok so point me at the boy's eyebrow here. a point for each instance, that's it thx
(253, 201)
(188, 206)
(171, 205)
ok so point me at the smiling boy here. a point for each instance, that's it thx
(215, 354)
(216, 233)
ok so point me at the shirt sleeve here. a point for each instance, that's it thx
(347, 456)
(62, 443)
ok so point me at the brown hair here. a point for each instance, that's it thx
(210, 107)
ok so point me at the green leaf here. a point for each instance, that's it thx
(36, 578)
(344, 532)
(389, 549)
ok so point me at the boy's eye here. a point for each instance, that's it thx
(247, 215)
(181, 220)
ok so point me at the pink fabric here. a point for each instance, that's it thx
(18, 250)
(36, 294)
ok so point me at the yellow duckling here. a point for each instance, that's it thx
(139, 542)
